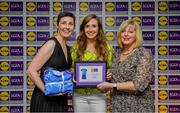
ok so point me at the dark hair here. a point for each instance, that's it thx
(65, 14)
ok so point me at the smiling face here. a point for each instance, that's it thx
(66, 27)
(91, 29)
(128, 36)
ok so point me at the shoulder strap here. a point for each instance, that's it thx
(52, 38)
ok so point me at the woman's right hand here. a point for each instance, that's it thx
(58, 94)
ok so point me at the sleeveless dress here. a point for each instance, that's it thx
(43, 103)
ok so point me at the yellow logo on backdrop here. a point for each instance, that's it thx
(4, 109)
(27, 64)
(4, 21)
(136, 18)
(31, 36)
(110, 21)
(54, 33)
(83, 6)
(4, 95)
(81, 19)
(163, 20)
(163, 94)
(4, 6)
(4, 51)
(4, 80)
(29, 81)
(163, 109)
(163, 80)
(109, 35)
(30, 6)
(57, 6)
(55, 21)
(28, 109)
(163, 35)
(110, 6)
(31, 21)
(136, 6)
(162, 50)
(163, 65)
(29, 95)
(31, 51)
(163, 6)
(4, 66)
(4, 36)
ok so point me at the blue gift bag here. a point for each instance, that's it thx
(57, 82)
(58, 87)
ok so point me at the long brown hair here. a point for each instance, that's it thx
(100, 46)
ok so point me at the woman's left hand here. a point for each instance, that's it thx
(105, 86)
(109, 76)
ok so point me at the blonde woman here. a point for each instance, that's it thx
(132, 70)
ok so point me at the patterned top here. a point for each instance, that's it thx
(138, 68)
(88, 56)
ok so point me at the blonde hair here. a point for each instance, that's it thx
(139, 38)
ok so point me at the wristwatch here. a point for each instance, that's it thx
(115, 86)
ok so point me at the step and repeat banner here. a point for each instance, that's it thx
(26, 24)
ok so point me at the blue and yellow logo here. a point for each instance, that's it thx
(163, 50)
(4, 6)
(137, 18)
(94, 69)
(4, 81)
(163, 65)
(4, 36)
(31, 21)
(4, 109)
(110, 36)
(4, 21)
(57, 6)
(110, 6)
(83, 6)
(55, 21)
(31, 51)
(163, 35)
(162, 94)
(4, 95)
(29, 81)
(4, 66)
(163, 6)
(162, 80)
(136, 6)
(28, 109)
(4, 51)
(163, 20)
(31, 36)
(163, 109)
(110, 21)
(28, 63)
(29, 95)
(31, 6)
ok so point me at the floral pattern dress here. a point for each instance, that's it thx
(138, 67)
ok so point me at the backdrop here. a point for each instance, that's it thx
(26, 24)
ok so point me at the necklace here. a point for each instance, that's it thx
(129, 52)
